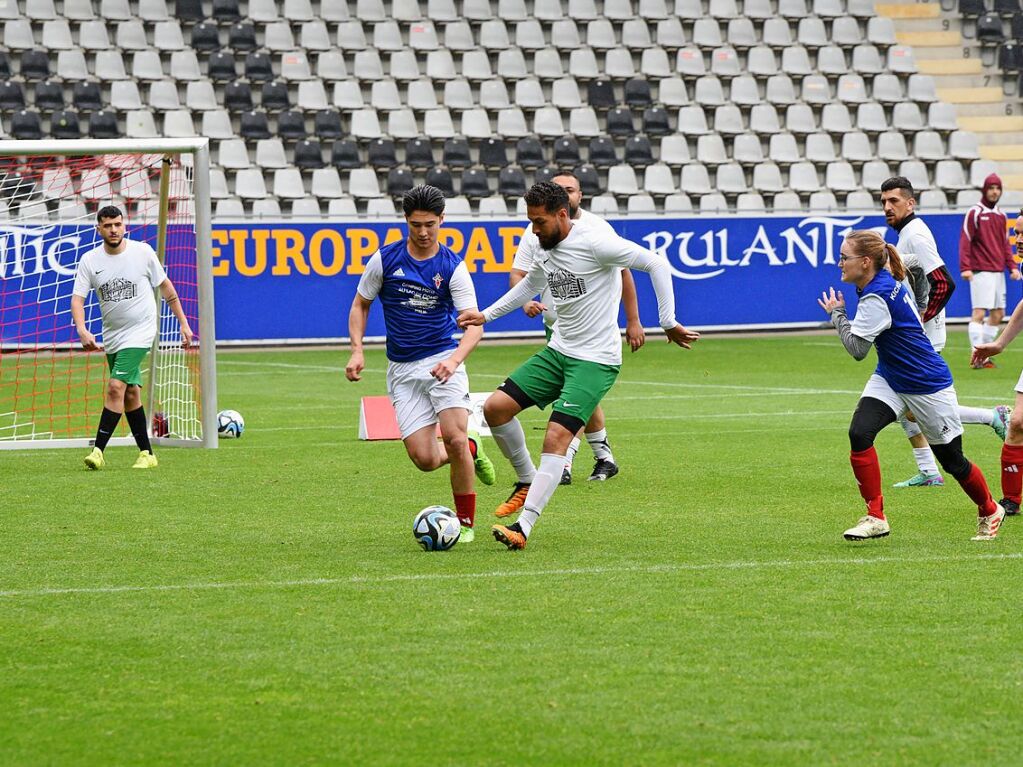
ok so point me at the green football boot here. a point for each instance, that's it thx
(485, 471)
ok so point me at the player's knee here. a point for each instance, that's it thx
(951, 458)
(1016, 427)
(456, 444)
(496, 411)
(860, 438)
(116, 389)
(423, 460)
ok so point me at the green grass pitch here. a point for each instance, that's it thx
(265, 603)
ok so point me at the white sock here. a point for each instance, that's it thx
(546, 481)
(976, 330)
(990, 331)
(925, 460)
(912, 428)
(573, 448)
(983, 415)
(598, 442)
(512, 441)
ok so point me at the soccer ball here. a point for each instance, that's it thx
(230, 424)
(436, 528)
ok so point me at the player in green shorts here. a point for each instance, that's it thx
(581, 266)
(595, 431)
(123, 273)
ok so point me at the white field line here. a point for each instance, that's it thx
(504, 574)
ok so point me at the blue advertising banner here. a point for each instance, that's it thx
(294, 282)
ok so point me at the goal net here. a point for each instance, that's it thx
(51, 390)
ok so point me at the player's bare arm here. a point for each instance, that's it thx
(78, 315)
(634, 333)
(444, 369)
(170, 297)
(982, 351)
(356, 330)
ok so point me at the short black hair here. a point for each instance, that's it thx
(423, 197)
(548, 195)
(899, 182)
(108, 211)
(565, 172)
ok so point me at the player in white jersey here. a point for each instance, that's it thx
(919, 251)
(123, 273)
(581, 264)
(604, 466)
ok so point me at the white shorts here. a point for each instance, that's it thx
(987, 290)
(937, 414)
(1019, 384)
(934, 328)
(417, 397)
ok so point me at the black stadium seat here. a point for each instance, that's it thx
(86, 96)
(254, 125)
(475, 183)
(529, 153)
(345, 155)
(619, 122)
(382, 153)
(238, 97)
(441, 178)
(291, 125)
(511, 182)
(222, 67)
(637, 93)
(242, 36)
(226, 10)
(275, 96)
(103, 124)
(656, 121)
(65, 125)
(602, 152)
(327, 124)
(399, 181)
(566, 152)
(418, 153)
(601, 94)
(456, 153)
(989, 28)
(494, 153)
(26, 126)
(35, 65)
(308, 154)
(205, 37)
(258, 67)
(49, 96)
(589, 180)
(12, 97)
(638, 152)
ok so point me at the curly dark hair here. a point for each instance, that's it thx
(423, 197)
(548, 195)
(899, 182)
(108, 211)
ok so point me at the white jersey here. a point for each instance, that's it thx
(917, 247)
(124, 285)
(529, 247)
(583, 273)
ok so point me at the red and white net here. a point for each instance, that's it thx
(49, 388)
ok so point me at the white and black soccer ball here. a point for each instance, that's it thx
(230, 424)
(436, 528)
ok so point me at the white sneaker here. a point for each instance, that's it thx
(987, 527)
(868, 527)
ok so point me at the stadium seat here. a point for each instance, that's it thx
(823, 201)
(600, 94)
(602, 152)
(928, 146)
(767, 178)
(870, 118)
(529, 95)
(620, 123)
(921, 89)
(907, 117)
(932, 199)
(671, 92)
(780, 90)
(692, 121)
(638, 152)
(475, 183)
(26, 125)
(565, 93)
(146, 66)
(85, 95)
(783, 149)
(764, 120)
(604, 205)
(695, 180)
(103, 125)
(511, 182)
(254, 125)
(582, 64)
(308, 155)
(840, 177)
(750, 202)
(167, 36)
(344, 154)
(731, 179)
(288, 184)
(860, 201)
(949, 174)
(795, 61)
(57, 35)
(689, 62)
(786, 202)
(962, 145)
(225, 10)
(746, 149)
(566, 152)
(442, 179)
(49, 97)
(874, 173)
(183, 65)
(916, 172)
(363, 184)
(708, 91)
(546, 64)
(856, 147)
(891, 146)
(589, 180)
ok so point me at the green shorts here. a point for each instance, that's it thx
(574, 386)
(126, 365)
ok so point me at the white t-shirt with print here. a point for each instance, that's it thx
(529, 247)
(124, 285)
(584, 275)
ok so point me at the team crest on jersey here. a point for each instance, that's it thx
(117, 289)
(437, 280)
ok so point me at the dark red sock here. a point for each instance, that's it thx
(868, 476)
(465, 508)
(472, 448)
(976, 487)
(1012, 472)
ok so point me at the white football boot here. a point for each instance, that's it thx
(868, 527)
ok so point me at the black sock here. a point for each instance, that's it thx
(108, 421)
(137, 423)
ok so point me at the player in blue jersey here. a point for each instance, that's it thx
(910, 375)
(422, 285)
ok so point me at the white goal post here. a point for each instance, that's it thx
(51, 391)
